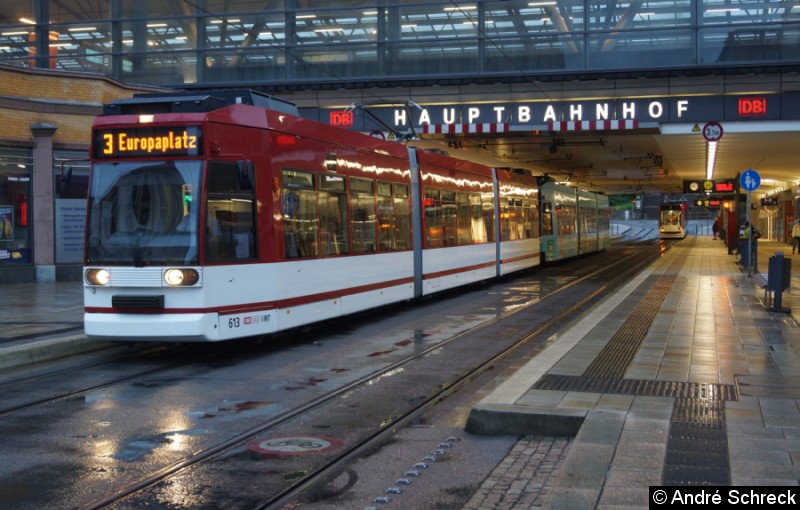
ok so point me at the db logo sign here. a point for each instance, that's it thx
(341, 119)
(752, 106)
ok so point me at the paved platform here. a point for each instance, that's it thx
(682, 377)
(41, 322)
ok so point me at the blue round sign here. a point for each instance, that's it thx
(750, 180)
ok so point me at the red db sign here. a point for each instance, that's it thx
(341, 119)
(752, 106)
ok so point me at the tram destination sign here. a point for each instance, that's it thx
(150, 141)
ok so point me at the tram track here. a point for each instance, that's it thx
(142, 354)
(149, 487)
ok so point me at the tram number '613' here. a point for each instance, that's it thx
(247, 320)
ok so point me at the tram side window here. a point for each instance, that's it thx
(300, 222)
(566, 220)
(547, 218)
(230, 214)
(394, 227)
(333, 215)
(402, 217)
(527, 219)
(433, 219)
(476, 221)
(449, 218)
(463, 219)
(510, 218)
(534, 218)
(363, 220)
(487, 205)
(588, 220)
(604, 219)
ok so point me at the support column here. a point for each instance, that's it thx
(42, 202)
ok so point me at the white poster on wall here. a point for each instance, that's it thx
(70, 224)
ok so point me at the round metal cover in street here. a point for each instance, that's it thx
(294, 445)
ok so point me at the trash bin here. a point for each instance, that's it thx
(779, 278)
(744, 252)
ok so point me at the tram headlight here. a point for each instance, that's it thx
(181, 277)
(98, 277)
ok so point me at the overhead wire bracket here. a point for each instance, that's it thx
(411, 135)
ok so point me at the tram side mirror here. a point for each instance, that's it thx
(66, 178)
(246, 175)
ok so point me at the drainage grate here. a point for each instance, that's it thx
(638, 387)
(697, 446)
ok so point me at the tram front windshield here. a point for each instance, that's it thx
(144, 213)
(670, 217)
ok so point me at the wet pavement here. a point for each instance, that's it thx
(695, 337)
(706, 393)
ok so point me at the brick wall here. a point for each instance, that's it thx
(69, 101)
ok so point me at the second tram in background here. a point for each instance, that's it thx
(672, 220)
(222, 215)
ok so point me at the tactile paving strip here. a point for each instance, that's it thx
(617, 355)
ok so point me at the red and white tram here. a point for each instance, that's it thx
(214, 216)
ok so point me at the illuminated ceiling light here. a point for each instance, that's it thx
(541, 4)
(464, 8)
(306, 16)
(711, 159)
(83, 29)
(370, 13)
(26, 20)
(156, 25)
(724, 9)
(16, 33)
(330, 29)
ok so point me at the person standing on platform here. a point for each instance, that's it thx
(716, 225)
(796, 237)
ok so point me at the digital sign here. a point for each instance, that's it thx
(717, 186)
(149, 141)
(723, 186)
(752, 106)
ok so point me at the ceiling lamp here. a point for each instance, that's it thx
(711, 158)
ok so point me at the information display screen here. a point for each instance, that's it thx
(148, 141)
